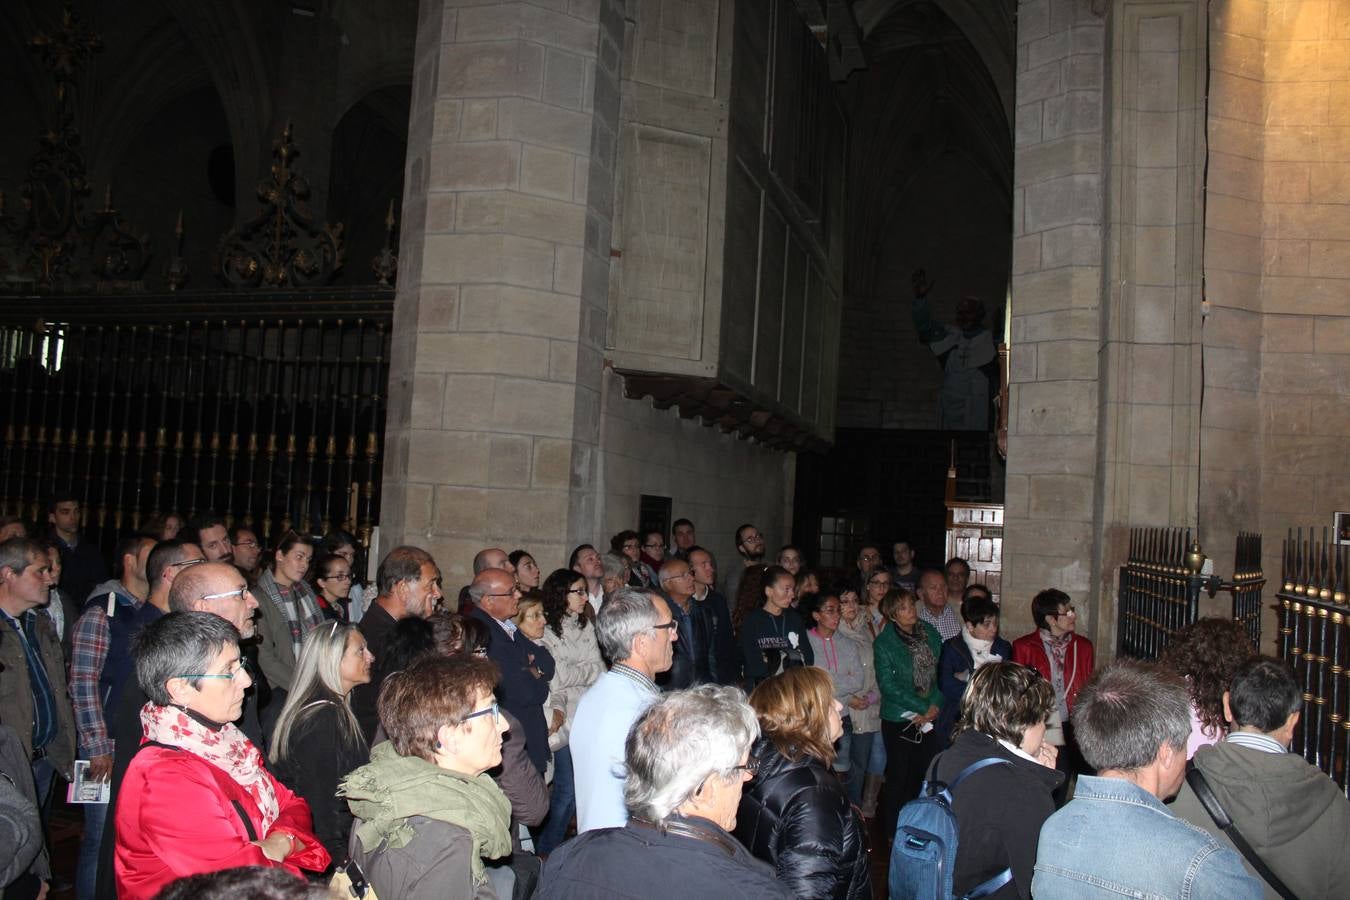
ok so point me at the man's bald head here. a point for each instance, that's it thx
(495, 591)
(215, 587)
(492, 558)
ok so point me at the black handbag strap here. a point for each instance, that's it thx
(1196, 779)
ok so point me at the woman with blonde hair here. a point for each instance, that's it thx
(317, 740)
(795, 815)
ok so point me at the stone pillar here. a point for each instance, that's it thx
(1058, 211)
(499, 322)
(1104, 430)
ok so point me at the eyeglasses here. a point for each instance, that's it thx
(341, 576)
(184, 564)
(655, 546)
(240, 667)
(227, 595)
(870, 557)
(494, 709)
(1066, 612)
(578, 591)
(681, 575)
(672, 626)
(750, 768)
(246, 543)
(511, 593)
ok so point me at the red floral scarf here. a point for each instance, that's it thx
(226, 748)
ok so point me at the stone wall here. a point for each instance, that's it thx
(1305, 284)
(718, 481)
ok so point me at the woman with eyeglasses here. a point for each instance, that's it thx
(359, 594)
(197, 796)
(332, 586)
(1001, 808)
(428, 816)
(866, 749)
(570, 636)
(288, 613)
(1062, 656)
(317, 739)
(794, 813)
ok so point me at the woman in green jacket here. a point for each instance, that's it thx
(905, 656)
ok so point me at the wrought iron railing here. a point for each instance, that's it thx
(1161, 583)
(267, 407)
(1314, 620)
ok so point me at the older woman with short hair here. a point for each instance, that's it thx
(687, 758)
(427, 814)
(905, 656)
(197, 797)
(795, 815)
(1000, 809)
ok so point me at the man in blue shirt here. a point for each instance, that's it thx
(637, 631)
(1116, 838)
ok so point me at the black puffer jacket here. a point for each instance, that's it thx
(796, 817)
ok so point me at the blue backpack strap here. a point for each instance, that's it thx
(988, 887)
(975, 767)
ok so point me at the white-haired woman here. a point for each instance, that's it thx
(318, 741)
(687, 758)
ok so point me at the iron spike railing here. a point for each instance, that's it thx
(1314, 620)
(272, 414)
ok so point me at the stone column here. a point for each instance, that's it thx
(499, 323)
(1058, 210)
(1104, 430)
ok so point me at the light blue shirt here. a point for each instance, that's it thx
(604, 716)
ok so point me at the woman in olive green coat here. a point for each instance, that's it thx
(905, 657)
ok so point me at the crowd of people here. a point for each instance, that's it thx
(640, 717)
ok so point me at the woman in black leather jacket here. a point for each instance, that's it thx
(795, 814)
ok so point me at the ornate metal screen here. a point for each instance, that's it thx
(267, 408)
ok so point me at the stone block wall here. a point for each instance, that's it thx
(1305, 286)
(1227, 415)
(718, 481)
(1059, 206)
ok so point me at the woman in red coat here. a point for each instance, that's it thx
(197, 797)
(1061, 655)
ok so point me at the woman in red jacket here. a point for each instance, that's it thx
(197, 797)
(1061, 655)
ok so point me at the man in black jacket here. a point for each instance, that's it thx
(721, 655)
(690, 663)
(409, 583)
(82, 565)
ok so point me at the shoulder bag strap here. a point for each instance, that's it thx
(1196, 779)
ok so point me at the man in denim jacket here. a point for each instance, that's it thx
(1116, 838)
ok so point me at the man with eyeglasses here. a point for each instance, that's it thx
(869, 560)
(166, 561)
(36, 702)
(247, 551)
(689, 664)
(526, 667)
(636, 630)
(722, 654)
(213, 587)
(100, 666)
(750, 549)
